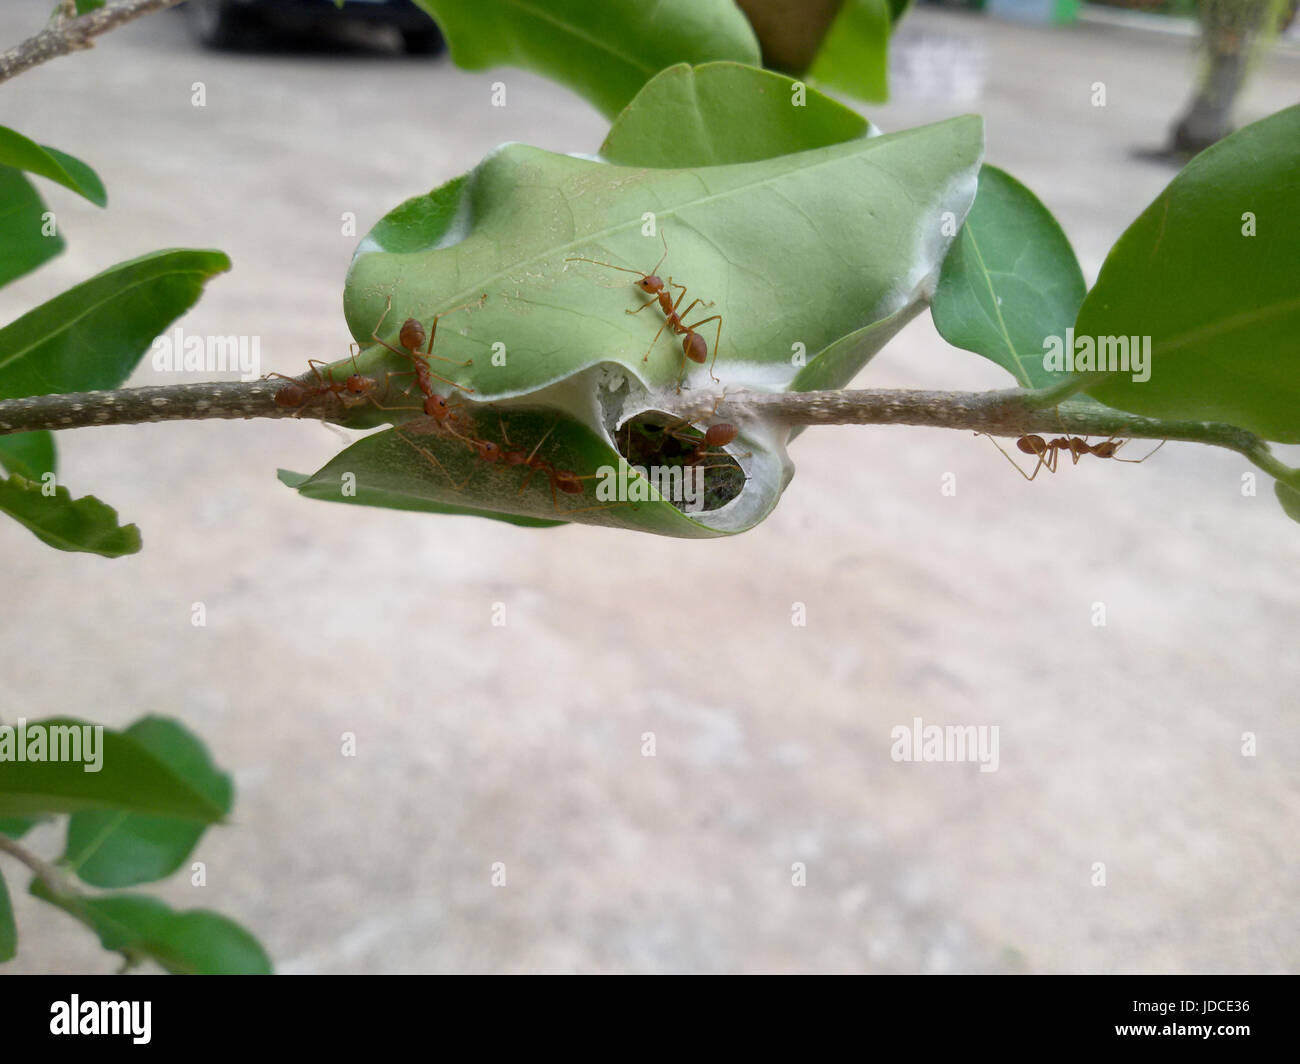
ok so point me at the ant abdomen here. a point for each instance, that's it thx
(721, 434)
(412, 335)
(291, 395)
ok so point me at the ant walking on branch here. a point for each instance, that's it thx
(1048, 452)
(298, 393)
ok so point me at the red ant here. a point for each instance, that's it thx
(411, 336)
(718, 435)
(559, 480)
(440, 415)
(298, 393)
(693, 345)
(1048, 452)
(437, 408)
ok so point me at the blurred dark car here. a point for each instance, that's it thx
(230, 23)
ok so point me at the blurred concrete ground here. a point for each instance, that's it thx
(522, 744)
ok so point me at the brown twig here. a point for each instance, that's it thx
(134, 406)
(45, 872)
(66, 35)
(1012, 412)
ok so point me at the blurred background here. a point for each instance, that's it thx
(522, 744)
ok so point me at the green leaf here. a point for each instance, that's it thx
(1289, 497)
(190, 942)
(392, 487)
(121, 849)
(29, 454)
(8, 929)
(85, 525)
(720, 113)
(854, 57)
(838, 363)
(1010, 280)
(390, 470)
(897, 9)
(17, 826)
(604, 51)
(1221, 308)
(24, 154)
(22, 221)
(130, 777)
(804, 248)
(92, 336)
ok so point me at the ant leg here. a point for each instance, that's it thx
(678, 327)
(325, 379)
(354, 350)
(283, 377)
(388, 385)
(664, 237)
(531, 455)
(646, 356)
(674, 284)
(388, 305)
(691, 421)
(433, 331)
(538, 444)
(719, 454)
(717, 342)
(693, 305)
(384, 406)
(432, 459)
(1012, 460)
(1139, 461)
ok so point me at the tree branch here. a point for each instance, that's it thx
(67, 35)
(1013, 412)
(134, 406)
(43, 871)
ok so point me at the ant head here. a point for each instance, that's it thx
(651, 284)
(412, 334)
(437, 406)
(695, 348)
(1107, 448)
(1035, 445)
(488, 451)
(721, 434)
(356, 384)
